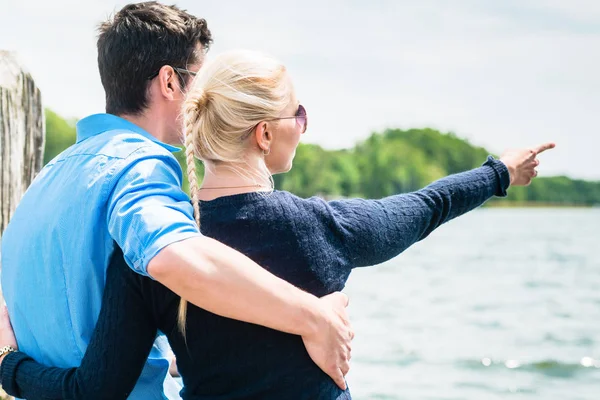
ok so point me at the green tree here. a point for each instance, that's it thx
(60, 134)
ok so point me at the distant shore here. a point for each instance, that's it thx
(535, 204)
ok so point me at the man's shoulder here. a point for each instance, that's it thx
(111, 154)
(113, 146)
(124, 149)
(123, 143)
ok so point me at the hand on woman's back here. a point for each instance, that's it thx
(330, 345)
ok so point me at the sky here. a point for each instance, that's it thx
(502, 74)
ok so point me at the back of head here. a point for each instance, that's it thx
(232, 94)
(136, 42)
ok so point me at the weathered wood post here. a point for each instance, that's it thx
(22, 135)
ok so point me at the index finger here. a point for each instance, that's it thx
(543, 147)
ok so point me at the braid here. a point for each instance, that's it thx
(191, 173)
(192, 113)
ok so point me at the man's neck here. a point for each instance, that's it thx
(153, 126)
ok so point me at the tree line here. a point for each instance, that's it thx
(386, 163)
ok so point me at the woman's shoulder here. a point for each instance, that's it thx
(300, 202)
(318, 207)
(299, 207)
(277, 211)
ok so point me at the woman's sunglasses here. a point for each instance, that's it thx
(301, 118)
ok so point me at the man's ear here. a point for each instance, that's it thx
(263, 136)
(168, 81)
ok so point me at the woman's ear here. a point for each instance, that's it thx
(263, 136)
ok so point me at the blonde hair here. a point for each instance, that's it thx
(228, 98)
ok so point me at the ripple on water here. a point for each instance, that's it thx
(493, 324)
(486, 307)
(393, 359)
(584, 341)
(494, 389)
(553, 368)
(539, 284)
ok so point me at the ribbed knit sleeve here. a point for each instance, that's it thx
(361, 232)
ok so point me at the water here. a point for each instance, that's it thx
(498, 304)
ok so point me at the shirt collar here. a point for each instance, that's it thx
(99, 123)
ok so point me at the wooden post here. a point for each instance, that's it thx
(22, 135)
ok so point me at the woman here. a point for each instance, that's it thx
(242, 119)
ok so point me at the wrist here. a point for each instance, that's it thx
(6, 350)
(313, 318)
(511, 171)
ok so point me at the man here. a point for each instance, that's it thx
(120, 183)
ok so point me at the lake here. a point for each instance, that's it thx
(497, 304)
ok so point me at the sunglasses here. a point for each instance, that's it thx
(300, 116)
(177, 69)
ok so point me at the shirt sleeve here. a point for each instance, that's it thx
(148, 210)
(115, 357)
(368, 232)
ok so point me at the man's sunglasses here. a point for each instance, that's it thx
(301, 118)
(177, 69)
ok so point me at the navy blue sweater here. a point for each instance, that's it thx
(311, 243)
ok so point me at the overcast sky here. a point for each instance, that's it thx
(500, 73)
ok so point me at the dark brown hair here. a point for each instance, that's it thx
(136, 42)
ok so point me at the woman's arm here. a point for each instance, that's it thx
(115, 356)
(367, 232)
(374, 231)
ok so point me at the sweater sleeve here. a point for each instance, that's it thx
(368, 232)
(115, 356)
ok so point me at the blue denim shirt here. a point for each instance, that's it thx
(116, 184)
